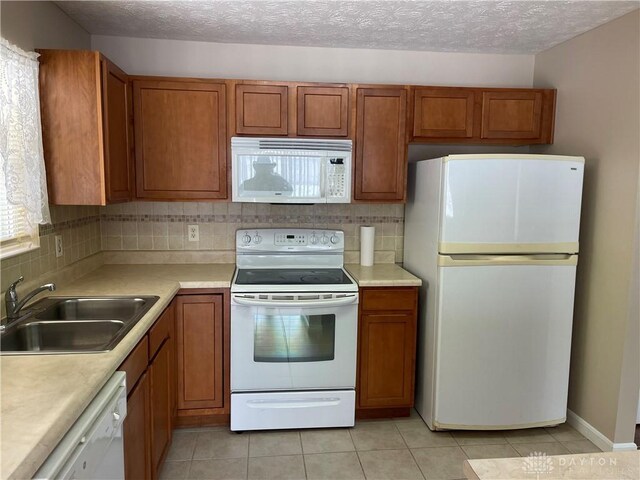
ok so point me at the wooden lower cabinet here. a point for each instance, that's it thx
(386, 351)
(161, 425)
(199, 333)
(136, 432)
(202, 351)
(148, 427)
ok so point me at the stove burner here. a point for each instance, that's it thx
(293, 276)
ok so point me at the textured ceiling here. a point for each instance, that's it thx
(451, 26)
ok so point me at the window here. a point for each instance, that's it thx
(23, 186)
(16, 235)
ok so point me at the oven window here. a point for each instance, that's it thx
(294, 338)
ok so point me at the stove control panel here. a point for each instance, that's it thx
(294, 239)
(290, 239)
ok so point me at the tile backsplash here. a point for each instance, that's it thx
(162, 227)
(80, 230)
(156, 232)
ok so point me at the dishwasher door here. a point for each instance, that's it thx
(93, 447)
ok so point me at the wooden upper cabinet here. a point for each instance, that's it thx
(511, 114)
(443, 112)
(507, 116)
(117, 110)
(261, 109)
(323, 111)
(381, 148)
(181, 140)
(86, 128)
(199, 351)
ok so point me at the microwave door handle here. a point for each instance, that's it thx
(286, 303)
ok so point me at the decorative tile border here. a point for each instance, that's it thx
(68, 224)
(278, 219)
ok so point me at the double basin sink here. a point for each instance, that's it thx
(74, 324)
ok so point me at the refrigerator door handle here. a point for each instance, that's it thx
(496, 260)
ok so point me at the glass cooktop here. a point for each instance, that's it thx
(292, 276)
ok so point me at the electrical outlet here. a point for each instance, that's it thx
(193, 233)
(59, 251)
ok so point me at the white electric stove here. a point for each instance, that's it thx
(294, 315)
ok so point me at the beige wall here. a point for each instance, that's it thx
(32, 25)
(598, 116)
(269, 62)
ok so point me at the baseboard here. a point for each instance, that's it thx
(595, 436)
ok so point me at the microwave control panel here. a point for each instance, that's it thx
(336, 178)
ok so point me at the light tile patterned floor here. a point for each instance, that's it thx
(385, 449)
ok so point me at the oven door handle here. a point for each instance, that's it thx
(337, 302)
(302, 403)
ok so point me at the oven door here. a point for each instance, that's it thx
(293, 341)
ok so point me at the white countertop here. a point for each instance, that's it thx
(382, 275)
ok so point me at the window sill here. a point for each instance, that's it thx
(8, 251)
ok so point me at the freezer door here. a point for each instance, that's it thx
(511, 205)
(503, 338)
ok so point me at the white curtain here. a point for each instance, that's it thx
(22, 160)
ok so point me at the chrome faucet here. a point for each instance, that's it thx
(11, 297)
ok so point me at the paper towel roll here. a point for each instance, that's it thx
(367, 241)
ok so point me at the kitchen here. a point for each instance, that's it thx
(142, 247)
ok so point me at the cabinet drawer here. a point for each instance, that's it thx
(160, 331)
(388, 299)
(136, 363)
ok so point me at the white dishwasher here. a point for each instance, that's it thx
(93, 447)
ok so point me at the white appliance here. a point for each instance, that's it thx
(294, 317)
(290, 170)
(495, 240)
(93, 447)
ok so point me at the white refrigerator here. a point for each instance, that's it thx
(495, 240)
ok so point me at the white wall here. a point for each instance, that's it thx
(266, 62)
(598, 115)
(31, 25)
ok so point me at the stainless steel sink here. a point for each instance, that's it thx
(93, 308)
(74, 325)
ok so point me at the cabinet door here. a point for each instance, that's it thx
(386, 359)
(261, 109)
(443, 113)
(199, 351)
(117, 135)
(181, 141)
(70, 106)
(323, 111)
(381, 149)
(512, 114)
(160, 375)
(136, 433)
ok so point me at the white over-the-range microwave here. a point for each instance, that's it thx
(290, 170)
